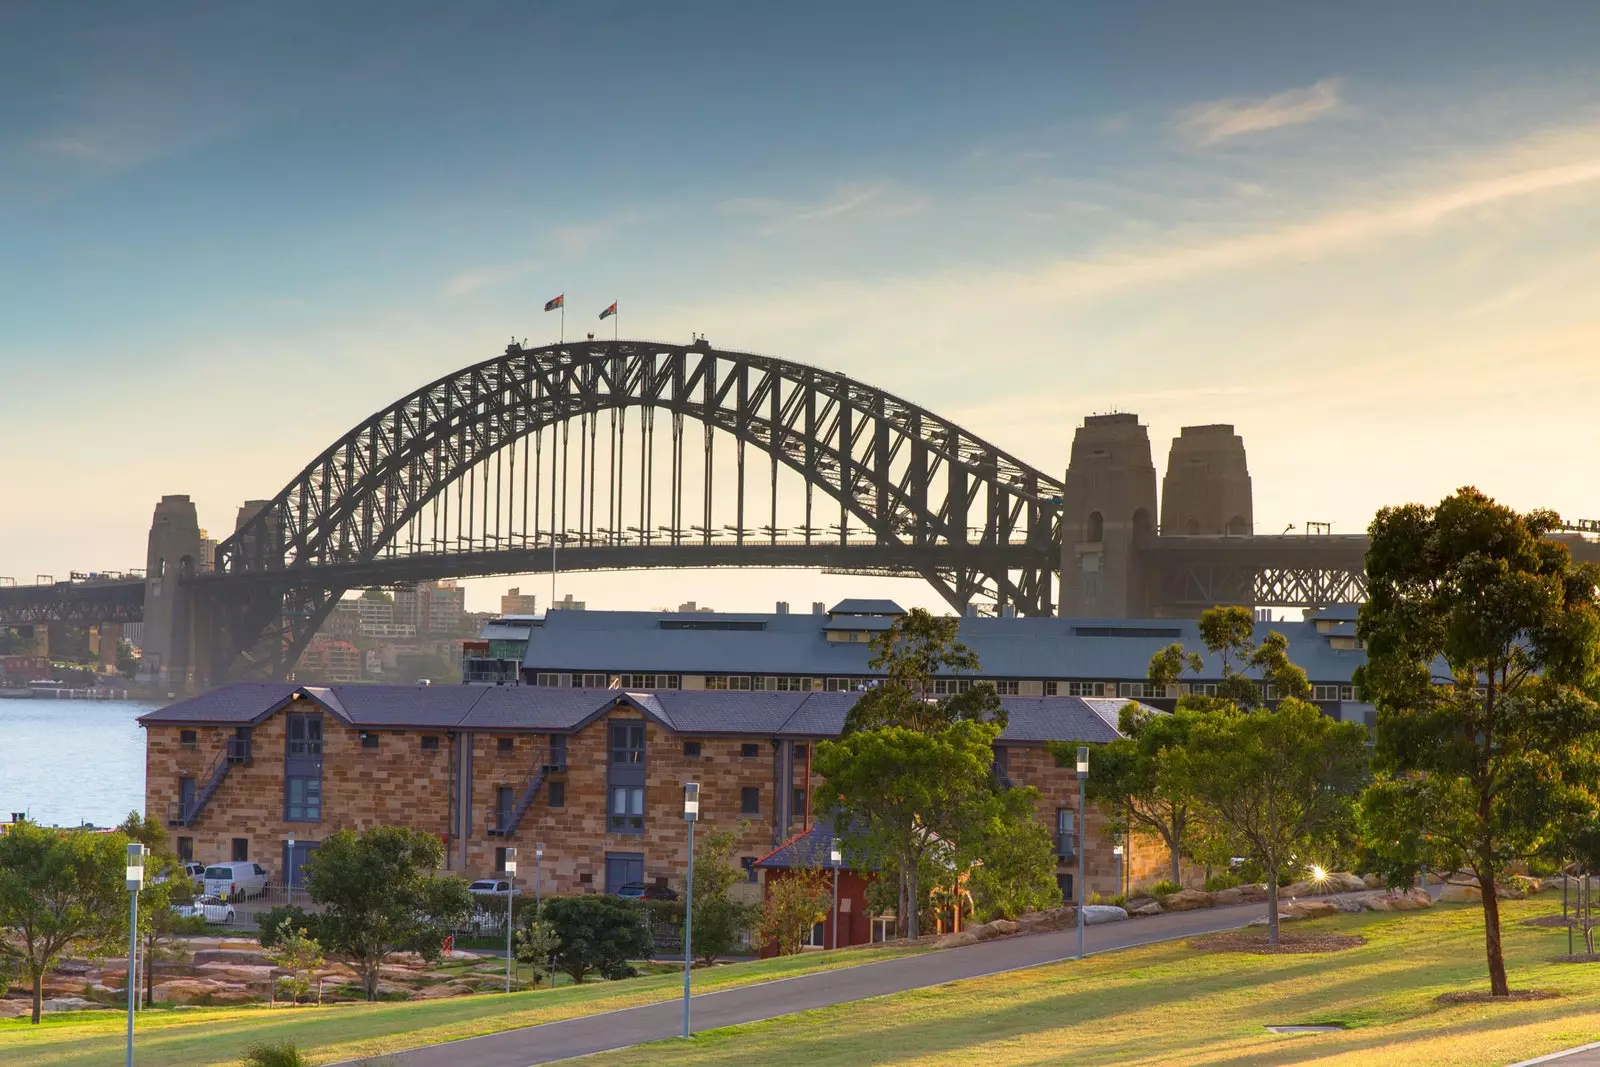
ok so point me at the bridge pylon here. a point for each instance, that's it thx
(173, 558)
(1108, 508)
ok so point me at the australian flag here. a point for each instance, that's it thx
(558, 302)
(610, 311)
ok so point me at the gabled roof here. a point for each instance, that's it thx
(866, 607)
(809, 848)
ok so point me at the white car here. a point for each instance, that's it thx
(489, 887)
(211, 909)
(189, 869)
(239, 880)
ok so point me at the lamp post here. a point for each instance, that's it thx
(691, 812)
(836, 857)
(511, 893)
(1083, 774)
(136, 854)
(538, 876)
(289, 870)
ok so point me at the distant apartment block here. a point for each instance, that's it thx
(516, 602)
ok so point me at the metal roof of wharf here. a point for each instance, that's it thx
(799, 644)
(498, 709)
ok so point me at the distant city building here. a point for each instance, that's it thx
(566, 603)
(516, 602)
(495, 657)
(334, 661)
(375, 609)
(431, 607)
(691, 608)
(401, 630)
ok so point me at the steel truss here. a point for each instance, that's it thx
(72, 603)
(447, 471)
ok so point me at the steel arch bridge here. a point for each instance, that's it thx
(493, 468)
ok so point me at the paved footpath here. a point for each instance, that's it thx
(589, 1034)
(1582, 1056)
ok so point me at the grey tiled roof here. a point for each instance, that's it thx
(543, 709)
(866, 607)
(813, 848)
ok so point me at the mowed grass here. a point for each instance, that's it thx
(180, 1037)
(1170, 1004)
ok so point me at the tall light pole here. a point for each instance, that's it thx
(538, 876)
(836, 857)
(136, 854)
(691, 812)
(1083, 775)
(289, 870)
(511, 893)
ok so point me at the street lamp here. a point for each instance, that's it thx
(511, 892)
(1083, 775)
(136, 854)
(289, 864)
(538, 875)
(691, 812)
(836, 857)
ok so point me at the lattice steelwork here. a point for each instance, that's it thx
(72, 603)
(1200, 585)
(583, 446)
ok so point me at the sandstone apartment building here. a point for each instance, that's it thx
(595, 775)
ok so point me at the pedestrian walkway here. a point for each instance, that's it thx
(1582, 1056)
(589, 1034)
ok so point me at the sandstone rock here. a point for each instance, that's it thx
(202, 991)
(67, 1004)
(1310, 909)
(1254, 894)
(960, 939)
(1098, 914)
(1149, 907)
(249, 957)
(241, 973)
(1053, 919)
(1372, 881)
(1186, 900)
(1409, 899)
(11, 1008)
(1455, 893)
(1345, 882)
(1004, 927)
(1223, 898)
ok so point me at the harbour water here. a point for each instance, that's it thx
(66, 762)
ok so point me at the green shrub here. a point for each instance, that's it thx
(271, 922)
(1116, 899)
(275, 1054)
(1162, 888)
(1223, 880)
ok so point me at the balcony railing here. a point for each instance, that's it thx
(1066, 846)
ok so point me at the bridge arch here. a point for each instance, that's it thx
(969, 517)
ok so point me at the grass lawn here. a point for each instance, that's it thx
(1170, 1004)
(179, 1037)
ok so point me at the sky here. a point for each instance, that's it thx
(1362, 233)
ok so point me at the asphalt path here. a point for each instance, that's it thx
(1583, 1056)
(588, 1034)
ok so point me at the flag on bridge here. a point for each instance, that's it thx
(608, 312)
(558, 302)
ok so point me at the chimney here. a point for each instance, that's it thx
(783, 607)
(818, 608)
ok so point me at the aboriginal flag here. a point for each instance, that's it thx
(610, 311)
(558, 302)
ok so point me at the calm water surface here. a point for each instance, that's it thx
(66, 762)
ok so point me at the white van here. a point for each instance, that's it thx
(239, 880)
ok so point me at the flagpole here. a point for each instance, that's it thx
(563, 318)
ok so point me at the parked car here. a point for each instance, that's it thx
(240, 880)
(640, 891)
(489, 887)
(212, 909)
(194, 872)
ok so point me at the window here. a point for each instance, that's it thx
(691, 749)
(627, 742)
(558, 794)
(1006, 688)
(627, 809)
(749, 865)
(186, 849)
(1066, 835)
(883, 928)
(1086, 689)
(1208, 689)
(799, 809)
(818, 938)
(750, 800)
(1144, 690)
(500, 859)
(188, 738)
(791, 684)
(711, 624)
(648, 681)
(369, 739)
(1064, 883)
(623, 868)
(302, 799)
(749, 751)
(1271, 692)
(1347, 692)
(1325, 692)
(504, 744)
(558, 751)
(1126, 631)
(241, 849)
(800, 750)
(951, 686)
(305, 734)
(839, 685)
(430, 742)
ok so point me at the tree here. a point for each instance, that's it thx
(1142, 777)
(915, 646)
(597, 933)
(1229, 633)
(537, 945)
(161, 927)
(298, 953)
(1276, 781)
(901, 794)
(794, 904)
(61, 891)
(719, 921)
(1482, 643)
(379, 896)
(127, 662)
(1011, 858)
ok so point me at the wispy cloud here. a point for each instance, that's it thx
(877, 202)
(1215, 121)
(487, 276)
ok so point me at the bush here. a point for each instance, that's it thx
(271, 923)
(1162, 888)
(275, 1054)
(1117, 900)
(597, 933)
(1223, 880)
